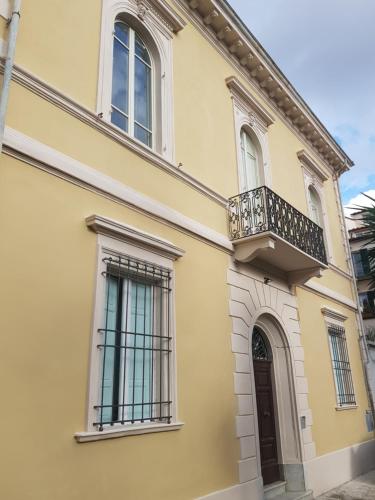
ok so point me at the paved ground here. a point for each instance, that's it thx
(361, 488)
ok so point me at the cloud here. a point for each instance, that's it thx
(360, 201)
(326, 49)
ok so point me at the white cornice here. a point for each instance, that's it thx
(308, 161)
(124, 232)
(240, 91)
(230, 36)
(34, 152)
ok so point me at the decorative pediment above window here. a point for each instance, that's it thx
(308, 161)
(258, 112)
(164, 11)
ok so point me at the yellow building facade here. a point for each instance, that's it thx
(178, 306)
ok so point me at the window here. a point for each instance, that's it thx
(361, 263)
(131, 105)
(315, 207)
(341, 366)
(249, 177)
(134, 341)
(367, 301)
(135, 81)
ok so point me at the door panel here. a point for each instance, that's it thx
(266, 422)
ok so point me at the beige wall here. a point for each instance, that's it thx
(49, 272)
(203, 114)
(332, 429)
(50, 268)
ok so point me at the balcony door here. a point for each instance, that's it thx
(249, 169)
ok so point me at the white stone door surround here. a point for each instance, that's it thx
(272, 307)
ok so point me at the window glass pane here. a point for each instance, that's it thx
(142, 135)
(138, 363)
(119, 120)
(358, 265)
(250, 167)
(142, 94)
(120, 77)
(122, 32)
(141, 50)
(315, 207)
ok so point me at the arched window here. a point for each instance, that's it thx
(315, 207)
(250, 177)
(260, 348)
(131, 103)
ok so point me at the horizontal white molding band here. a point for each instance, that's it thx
(330, 294)
(340, 466)
(69, 105)
(35, 150)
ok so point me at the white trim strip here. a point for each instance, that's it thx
(85, 437)
(35, 150)
(5, 9)
(330, 294)
(67, 104)
(124, 232)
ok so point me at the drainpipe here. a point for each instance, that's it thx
(8, 67)
(364, 347)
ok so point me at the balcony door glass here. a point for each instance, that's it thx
(249, 173)
(315, 207)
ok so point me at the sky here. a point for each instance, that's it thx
(326, 48)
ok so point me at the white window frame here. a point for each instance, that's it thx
(115, 238)
(335, 318)
(314, 177)
(156, 22)
(250, 116)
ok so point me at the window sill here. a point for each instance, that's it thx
(346, 407)
(85, 437)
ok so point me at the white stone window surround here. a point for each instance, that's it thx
(250, 116)
(314, 178)
(155, 25)
(116, 238)
(333, 317)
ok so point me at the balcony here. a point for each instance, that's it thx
(272, 234)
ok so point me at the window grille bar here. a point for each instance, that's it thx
(135, 343)
(124, 332)
(160, 361)
(152, 353)
(341, 366)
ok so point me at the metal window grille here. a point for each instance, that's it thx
(135, 343)
(341, 366)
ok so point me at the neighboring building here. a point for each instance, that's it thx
(135, 130)
(359, 240)
(360, 243)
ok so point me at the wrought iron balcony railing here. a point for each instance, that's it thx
(261, 210)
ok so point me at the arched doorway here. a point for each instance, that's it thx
(265, 394)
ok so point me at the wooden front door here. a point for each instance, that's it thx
(266, 421)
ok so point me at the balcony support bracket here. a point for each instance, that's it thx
(247, 249)
(301, 276)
